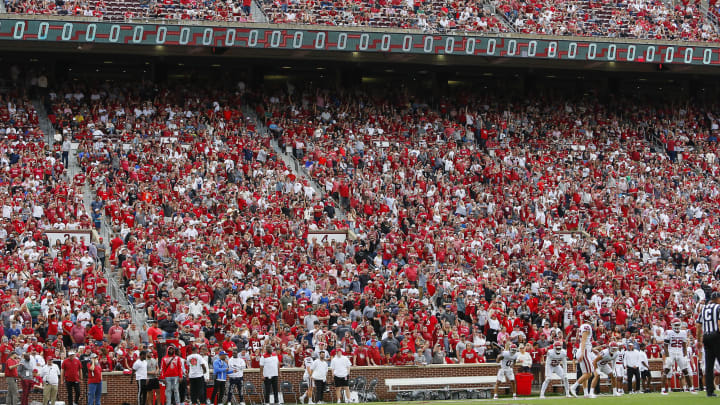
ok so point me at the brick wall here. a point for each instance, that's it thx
(122, 388)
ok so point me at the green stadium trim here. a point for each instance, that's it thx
(356, 39)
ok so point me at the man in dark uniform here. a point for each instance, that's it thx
(708, 336)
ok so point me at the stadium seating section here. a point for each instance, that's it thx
(469, 221)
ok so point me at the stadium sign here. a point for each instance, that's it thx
(258, 36)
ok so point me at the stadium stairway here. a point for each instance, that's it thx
(43, 120)
(489, 6)
(256, 13)
(114, 281)
(293, 164)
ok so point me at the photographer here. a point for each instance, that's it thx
(94, 380)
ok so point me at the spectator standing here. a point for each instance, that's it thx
(390, 345)
(524, 360)
(25, 371)
(153, 385)
(340, 366)
(70, 374)
(115, 334)
(645, 371)
(270, 366)
(196, 374)
(632, 363)
(94, 380)
(237, 365)
(171, 370)
(319, 370)
(220, 372)
(50, 374)
(11, 377)
(141, 376)
(66, 146)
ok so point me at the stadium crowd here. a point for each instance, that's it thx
(643, 19)
(623, 19)
(469, 224)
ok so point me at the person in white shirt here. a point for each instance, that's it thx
(645, 372)
(197, 367)
(270, 368)
(340, 366)
(196, 307)
(50, 374)
(307, 363)
(632, 364)
(319, 370)
(237, 364)
(141, 376)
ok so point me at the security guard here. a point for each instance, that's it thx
(708, 335)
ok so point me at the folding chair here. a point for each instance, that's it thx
(286, 388)
(368, 394)
(251, 393)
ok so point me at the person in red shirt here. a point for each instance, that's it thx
(70, 373)
(403, 358)
(11, 376)
(171, 369)
(94, 380)
(97, 333)
(469, 355)
(361, 356)
(653, 351)
(153, 332)
(52, 329)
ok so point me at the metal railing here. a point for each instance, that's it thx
(257, 13)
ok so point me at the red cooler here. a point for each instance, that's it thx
(524, 383)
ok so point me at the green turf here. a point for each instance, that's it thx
(637, 399)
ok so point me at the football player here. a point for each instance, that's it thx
(605, 363)
(676, 355)
(556, 363)
(584, 354)
(506, 374)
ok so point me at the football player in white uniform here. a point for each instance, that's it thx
(584, 354)
(605, 363)
(620, 371)
(307, 362)
(507, 360)
(676, 354)
(556, 363)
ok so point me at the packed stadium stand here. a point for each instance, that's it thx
(474, 219)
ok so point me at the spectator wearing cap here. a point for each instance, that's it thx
(94, 380)
(50, 374)
(70, 374)
(270, 368)
(220, 372)
(340, 366)
(171, 370)
(390, 345)
(11, 377)
(319, 371)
